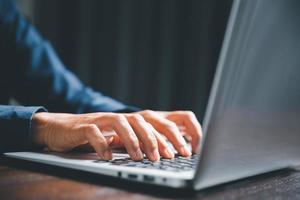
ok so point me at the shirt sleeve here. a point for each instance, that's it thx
(38, 76)
(15, 123)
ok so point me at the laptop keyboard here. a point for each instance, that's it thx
(177, 164)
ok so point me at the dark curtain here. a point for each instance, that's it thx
(156, 54)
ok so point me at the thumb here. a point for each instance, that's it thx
(109, 140)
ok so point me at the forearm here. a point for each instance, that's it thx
(42, 78)
(92, 101)
(15, 127)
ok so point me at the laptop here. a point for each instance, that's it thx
(252, 121)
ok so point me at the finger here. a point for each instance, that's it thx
(145, 136)
(116, 142)
(88, 148)
(123, 129)
(115, 139)
(95, 138)
(170, 130)
(163, 146)
(191, 124)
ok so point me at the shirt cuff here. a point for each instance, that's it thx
(15, 123)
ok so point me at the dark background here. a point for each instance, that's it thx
(156, 54)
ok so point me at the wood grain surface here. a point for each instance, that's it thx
(26, 180)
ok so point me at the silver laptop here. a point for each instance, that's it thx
(252, 121)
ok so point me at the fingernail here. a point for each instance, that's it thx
(169, 153)
(154, 156)
(185, 151)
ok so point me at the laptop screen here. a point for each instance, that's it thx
(261, 68)
(252, 122)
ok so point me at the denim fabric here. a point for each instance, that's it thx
(32, 73)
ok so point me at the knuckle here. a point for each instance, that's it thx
(152, 145)
(119, 118)
(171, 126)
(138, 118)
(199, 135)
(150, 137)
(160, 140)
(110, 116)
(163, 144)
(189, 114)
(148, 112)
(91, 129)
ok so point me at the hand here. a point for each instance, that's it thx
(144, 131)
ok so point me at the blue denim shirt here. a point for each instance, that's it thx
(32, 73)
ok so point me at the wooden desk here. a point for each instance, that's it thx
(25, 180)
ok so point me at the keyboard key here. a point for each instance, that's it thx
(177, 164)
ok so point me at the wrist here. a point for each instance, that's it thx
(38, 130)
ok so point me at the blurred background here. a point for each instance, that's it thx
(154, 54)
